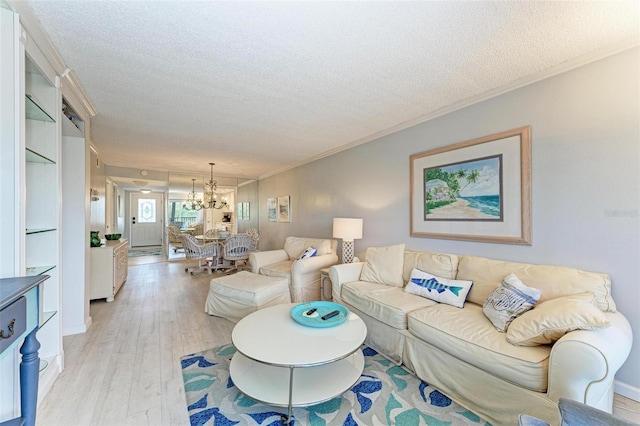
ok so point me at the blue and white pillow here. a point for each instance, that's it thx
(309, 252)
(443, 290)
(508, 301)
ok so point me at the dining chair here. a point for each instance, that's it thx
(175, 238)
(199, 252)
(255, 236)
(236, 249)
(211, 234)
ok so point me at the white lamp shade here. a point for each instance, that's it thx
(348, 229)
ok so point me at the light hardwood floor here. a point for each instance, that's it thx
(126, 369)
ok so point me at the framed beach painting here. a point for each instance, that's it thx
(284, 209)
(272, 209)
(477, 190)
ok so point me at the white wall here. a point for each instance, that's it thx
(585, 181)
(75, 236)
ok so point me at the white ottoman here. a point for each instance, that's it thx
(235, 296)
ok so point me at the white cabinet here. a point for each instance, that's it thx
(109, 265)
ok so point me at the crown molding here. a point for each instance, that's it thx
(30, 23)
(514, 85)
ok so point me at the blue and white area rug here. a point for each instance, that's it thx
(385, 394)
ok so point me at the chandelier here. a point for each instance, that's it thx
(193, 202)
(210, 196)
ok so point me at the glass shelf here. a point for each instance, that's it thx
(43, 365)
(45, 362)
(36, 112)
(33, 271)
(69, 128)
(46, 316)
(39, 230)
(34, 157)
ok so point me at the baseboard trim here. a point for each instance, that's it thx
(48, 376)
(627, 391)
(77, 329)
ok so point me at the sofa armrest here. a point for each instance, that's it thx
(343, 273)
(312, 264)
(583, 363)
(305, 276)
(258, 259)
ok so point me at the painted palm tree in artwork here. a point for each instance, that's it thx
(470, 177)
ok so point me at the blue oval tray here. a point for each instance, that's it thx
(299, 314)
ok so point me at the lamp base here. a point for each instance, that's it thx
(347, 251)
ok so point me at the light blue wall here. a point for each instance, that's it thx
(585, 181)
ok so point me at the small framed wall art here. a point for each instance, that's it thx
(284, 209)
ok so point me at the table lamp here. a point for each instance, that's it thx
(348, 229)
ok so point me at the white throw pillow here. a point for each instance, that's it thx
(550, 320)
(309, 252)
(443, 290)
(324, 247)
(508, 301)
(383, 265)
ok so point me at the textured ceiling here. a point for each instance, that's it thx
(259, 87)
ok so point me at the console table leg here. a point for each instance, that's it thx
(29, 371)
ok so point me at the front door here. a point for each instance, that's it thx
(146, 220)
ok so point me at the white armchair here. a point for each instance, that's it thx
(303, 275)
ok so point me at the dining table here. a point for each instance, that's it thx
(218, 261)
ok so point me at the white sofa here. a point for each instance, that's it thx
(458, 350)
(303, 276)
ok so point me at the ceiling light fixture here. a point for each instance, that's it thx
(210, 196)
(193, 202)
(145, 191)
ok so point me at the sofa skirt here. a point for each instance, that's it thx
(386, 340)
(493, 399)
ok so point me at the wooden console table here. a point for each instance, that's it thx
(19, 319)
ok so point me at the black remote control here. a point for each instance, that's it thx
(310, 311)
(330, 314)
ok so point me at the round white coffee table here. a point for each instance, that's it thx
(271, 345)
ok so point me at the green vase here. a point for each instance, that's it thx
(95, 238)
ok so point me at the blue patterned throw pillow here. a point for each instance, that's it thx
(508, 301)
(309, 252)
(443, 290)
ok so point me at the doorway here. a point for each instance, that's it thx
(146, 220)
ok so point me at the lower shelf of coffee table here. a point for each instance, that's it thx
(311, 385)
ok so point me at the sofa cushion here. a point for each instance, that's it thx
(467, 335)
(440, 264)
(443, 290)
(280, 269)
(383, 265)
(508, 301)
(554, 281)
(295, 246)
(551, 320)
(387, 304)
